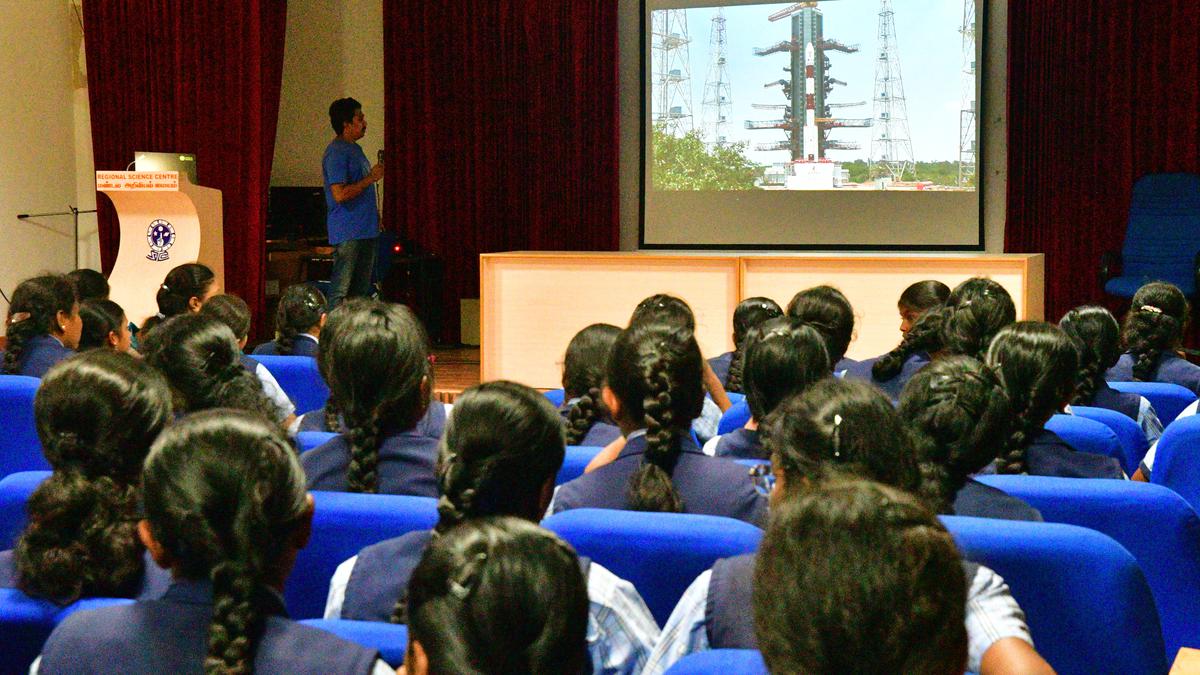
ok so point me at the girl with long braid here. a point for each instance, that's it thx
(1153, 331)
(654, 390)
(919, 298)
(826, 309)
(97, 414)
(298, 322)
(42, 326)
(502, 450)
(184, 290)
(377, 366)
(587, 420)
(1037, 363)
(977, 309)
(226, 511)
(748, 314)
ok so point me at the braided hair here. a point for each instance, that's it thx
(1155, 323)
(1037, 363)
(925, 336)
(838, 427)
(101, 318)
(826, 309)
(376, 362)
(748, 314)
(200, 357)
(978, 309)
(502, 449)
(34, 311)
(300, 311)
(500, 595)
(783, 357)
(583, 376)
(959, 416)
(97, 414)
(1097, 336)
(224, 496)
(174, 296)
(655, 372)
(335, 321)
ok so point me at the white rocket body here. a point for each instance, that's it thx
(810, 112)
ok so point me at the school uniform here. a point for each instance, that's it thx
(302, 345)
(154, 583)
(707, 485)
(980, 500)
(893, 386)
(39, 354)
(602, 432)
(842, 366)
(284, 407)
(1050, 455)
(720, 367)
(1131, 405)
(716, 612)
(432, 424)
(1170, 368)
(170, 635)
(738, 444)
(621, 630)
(406, 465)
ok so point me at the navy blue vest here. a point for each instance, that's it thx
(39, 354)
(1126, 403)
(1050, 455)
(1171, 368)
(155, 579)
(980, 500)
(381, 575)
(708, 485)
(171, 636)
(249, 364)
(302, 345)
(741, 444)
(432, 424)
(720, 367)
(892, 388)
(406, 465)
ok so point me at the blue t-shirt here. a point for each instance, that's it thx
(346, 163)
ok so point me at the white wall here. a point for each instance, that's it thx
(37, 139)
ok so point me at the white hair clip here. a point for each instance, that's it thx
(1150, 308)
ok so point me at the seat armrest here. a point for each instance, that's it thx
(1110, 266)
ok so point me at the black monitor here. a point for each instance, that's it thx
(296, 213)
(184, 163)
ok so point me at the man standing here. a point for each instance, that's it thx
(353, 219)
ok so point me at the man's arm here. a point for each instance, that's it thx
(344, 192)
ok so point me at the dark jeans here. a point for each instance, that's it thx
(353, 262)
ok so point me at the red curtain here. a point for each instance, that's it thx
(502, 130)
(199, 77)
(1100, 92)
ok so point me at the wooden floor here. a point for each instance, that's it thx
(454, 369)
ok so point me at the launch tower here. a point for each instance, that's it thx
(672, 70)
(891, 144)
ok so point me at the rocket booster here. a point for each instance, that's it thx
(810, 111)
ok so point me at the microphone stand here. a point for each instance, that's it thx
(73, 212)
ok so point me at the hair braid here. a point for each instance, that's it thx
(34, 311)
(737, 364)
(1148, 334)
(924, 336)
(650, 487)
(585, 413)
(365, 439)
(1090, 376)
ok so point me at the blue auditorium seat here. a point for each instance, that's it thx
(1087, 602)
(1086, 435)
(661, 554)
(1168, 399)
(300, 380)
(307, 440)
(20, 449)
(1162, 238)
(720, 662)
(390, 639)
(556, 396)
(14, 492)
(575, 461)
(735, 418)
(343, 524)
(1131, 437)
(1177, 459)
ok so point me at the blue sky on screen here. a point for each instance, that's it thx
(930, 45)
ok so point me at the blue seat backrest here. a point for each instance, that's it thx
(1157, 526)
(1087, 602)
(300, 380)
(661, 554)
(1163, 235)
(1167, 398)
(343, 524)
(1086, 435)
(14, 493)
(720, 662)
(1177, 461)
(575, 461)
(390, 639)
(556, 396)
(307, 440)
(1133, 441)
(735, 398)
(25, 623)
(20, 449)
(735, 418)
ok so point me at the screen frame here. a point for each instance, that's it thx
(981, 23)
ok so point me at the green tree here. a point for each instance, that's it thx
(687, 163)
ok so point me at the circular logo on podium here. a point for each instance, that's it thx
(161, 237)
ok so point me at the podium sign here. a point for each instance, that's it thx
(165, 221)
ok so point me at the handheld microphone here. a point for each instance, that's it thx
(379, 156)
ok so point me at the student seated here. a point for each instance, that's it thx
(919, 298)
(89, 284)
(226, 511)
(782, 358)
(654, 390)
(105, 326)
(959, 416)
(502, 450)
(376, 363)
(748, 314)
(1158, 316)
(42, 326)
(235, 313)
(588, 421)
(834, 429)
(826, 309)
(1097, 336)
(184, 291)
(1037, 364)
(97, 414)
(298, 322)
(497, 595)
(857, 577)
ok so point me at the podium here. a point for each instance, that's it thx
(165, 221)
